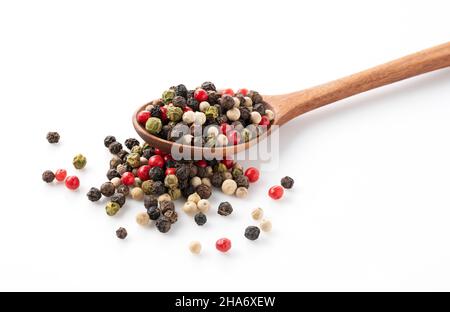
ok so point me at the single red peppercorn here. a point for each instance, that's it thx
(225, 128)
(142, 172)
(72, 182)
(223, 244)
(228, 163)
(163, 110)
(264, 121)
(228, 91)
(60, 175)
(202, 163)
(158, 152)
(156, 161)
(171, 171)
(252, 174)
(200, 95)
(233, 137)
(276, 192)
(243, 91)
(187, 109)
(143, 116)
(127, 178)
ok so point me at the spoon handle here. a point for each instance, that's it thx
(291, 105)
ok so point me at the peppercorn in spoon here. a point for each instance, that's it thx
(283, 107)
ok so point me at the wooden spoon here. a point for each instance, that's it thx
(289, 106)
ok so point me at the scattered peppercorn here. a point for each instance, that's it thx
(257, 214)
(195, 247)
(115, 147)
(276, 192)
(266, 225)
(225, 209)
(252, 232)
(142, 218)
(60, 175)
(53, 137)
(223, 244)
(121, 233)
(112, 208)
(287, 182)
(72, 182)
(118, 198)
(200, 218)
(48, 176)
(163, 225)
(109, 140)
(94, 194)
(204, 191)
(79, 161)
(107, 189)
(241, 192)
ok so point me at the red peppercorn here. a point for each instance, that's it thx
(264, 121)
(243, 91)
(225, 128)
(167, 157)
(156, 161)
(200, 95)
(60, 175)
(234, 137)
(72, 182)
(202, 163)
(228, 91)
(187, 109)
(252, 174)
(228, 163)
(127, 178)
(143, 172)
(223, 244)
(159, 152)
(171, 171)
(163, 110)
(276, 192)
(143, 116)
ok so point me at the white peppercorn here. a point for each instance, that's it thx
(195, 247)
(248, 101)
(164, 197)
(257, 214)
(241, 192)
(186, 139)
(221, 140)
(200, 118)
(194, 197)
(255, 117)
(266, 225)
(196, 181)
(142, 218)
(233, 114)
(116, 181)
(121, 169)
(189, 117)
(270, 114)
(229, 186)
(237, 102)
(190, 207)
(137, 193)
(212, 131)
(203, 106)
(203, 205)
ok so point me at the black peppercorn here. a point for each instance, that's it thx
(123, 154)
(121, 233)
(213, 97)
(226, 102)
(156, 174)
(179, 101)
(182, 172)
(118, 198)
(181, 90)
(123, 189)
(287, 182)
(157, 188)
(165, 131)
(255, 96)
(245, 113)
(216, 179)
(204, 191)
(112, 173)
(182, 184)
(200, 218)
(107, 189)
(166, 205)
(150, 201)
(115, 147)
(201, 172)
(156, 112)
(259, 108)
(153, 212)
(147, 153)
(192, 103)
(222, 119)
(225, 209)
(114, 162)
(208, 86)
(131, 142)
(109, 140)
(53, 137)
(48, 176)
(171, 215)
(187, 191)
(94, 194)
(242, 180)
(163, 224)
(252, 232)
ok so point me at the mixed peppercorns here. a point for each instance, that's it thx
(206, 116)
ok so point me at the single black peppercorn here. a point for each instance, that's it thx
(201, 172)
(48, 176)
(109, 140)
(166, 205)
(225, 209)
(192, 103)
(204, 191)
(200, 218)
(171, 215)
(252, 232)
(287, 182)
(181, 90)
(226, 102)
(222, 119)
(112, 173)
(94, 194)
(156, 174)
(153, 212)
(163, 224)
(118, 198)
(217, 179)
(53, 137)
(259, 108)
(165, 131)
(150, 201)
(242, 180)
(121, 233)
(213, 97)
(115, 147)
(147, 153)
(123, 189)
(255, 96)
(182, 184)
(107, 189)
(131, 142)
(208, 86)
(123, 154)
(182, 172)
(245, 113)
(179, 101)
(156, 112)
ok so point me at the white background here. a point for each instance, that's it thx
(370, 209)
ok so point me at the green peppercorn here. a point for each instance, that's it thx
(134, 160)
(48, 176)
(94, 194)
(168, 96)
(175, 193)
(136, 149)
(79, 161)
(246, 135)
(147, 186)
(112, 208)
(171, 181)
(236, 172)
(153, 125)
(174, 113)
(211, 112)
(53, 137)
(220, 167)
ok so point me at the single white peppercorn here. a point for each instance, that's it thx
(137, 193)
(266, 225)
(248, 101)
(241, 192)
(194, 197)
(212, 131)
(255, 117)
(227, 175)
(116, 181)
(200, 118)
(237, 102)
(189, 117)
(229, 186)
(257, 214)
(203, 205)
(196, 181)
(142, 218)
(203, 106)
(270, 114)
(221, 140)
(195, 247)
(121, 169)
(189, 207)
(164, 197)
(207, 181)
(233, 114)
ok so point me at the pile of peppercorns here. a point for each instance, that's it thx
(206, 116)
